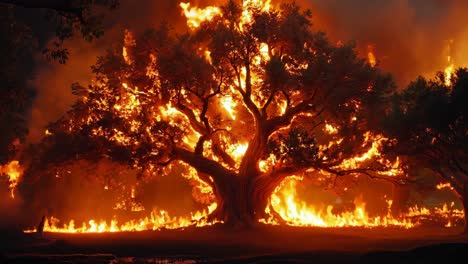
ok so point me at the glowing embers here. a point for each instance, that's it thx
(157, 220)
(13, 171)
(229, 105)
(441, 186)
(296, 212)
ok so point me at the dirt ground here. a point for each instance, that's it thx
(265, 244)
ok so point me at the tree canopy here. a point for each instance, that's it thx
(428, 119)
(67, 17)
(246, 98)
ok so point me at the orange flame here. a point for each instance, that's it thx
(297, 213)
(441, 186)
(156, 221)
(372, 59)
(195, 16)
(13, 171)
(450, 68)
(284, 200)
(449, 71)
(371, 56)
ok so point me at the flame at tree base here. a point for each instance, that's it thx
(156, 221)
(284, 201)
(297, 213)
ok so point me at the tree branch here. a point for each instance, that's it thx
(246, 95)
(284, 120)
(202, 164)
(268, 102)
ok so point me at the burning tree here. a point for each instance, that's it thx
(428, 120)
(248, 97)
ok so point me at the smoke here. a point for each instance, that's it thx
(409, 37)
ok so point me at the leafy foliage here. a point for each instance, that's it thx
(162, 97)
(68, 17)
(429, 121)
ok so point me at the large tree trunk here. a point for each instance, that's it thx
(242, 202)
(232, 203)
(401, 194)
(242, 199)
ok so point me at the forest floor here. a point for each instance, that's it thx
(264, 244)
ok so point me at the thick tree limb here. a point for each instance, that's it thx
(277, 122)
(202, 164)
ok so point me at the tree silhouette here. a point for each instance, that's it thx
(17, 64)
(15, 95)
(429, 121)
(68, 16)
(243, 103)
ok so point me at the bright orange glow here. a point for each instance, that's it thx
(297, 213)
(195, 16)
(156, 221)
(229, 105)
(441, 186)
(449, 71)
(450, 67)
(129, 103)
(13, 171)
(373, 152)
(129, 41)
(330, 129)
(372, 59)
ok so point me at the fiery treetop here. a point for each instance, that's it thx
(249, 91)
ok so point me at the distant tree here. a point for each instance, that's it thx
(428, 119)
(68, 16)
(243, 103)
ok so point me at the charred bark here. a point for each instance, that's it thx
(241, 203)
(40, 227)
(232, 203)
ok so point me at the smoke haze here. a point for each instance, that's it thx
(409, 37)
